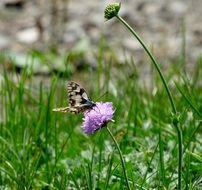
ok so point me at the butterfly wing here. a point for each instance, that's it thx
(78, 99)
(77, 95)
(63, 109)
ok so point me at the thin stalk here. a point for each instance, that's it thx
(121, 157)
(179, 132)
(180, 154)
(153, 61)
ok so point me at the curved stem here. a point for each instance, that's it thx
(121, 157)
(153, 61)
(179, 132)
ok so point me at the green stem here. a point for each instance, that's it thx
(121, 157)
(179, 132)
(153, 61)
(180, 154)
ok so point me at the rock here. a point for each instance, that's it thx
(34, 65)
(28, 36)
(178, 8)
(18, 4)
(4, 42)
(132, 44)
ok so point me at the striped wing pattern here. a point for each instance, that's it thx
(78, 100)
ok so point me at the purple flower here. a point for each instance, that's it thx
(97, 117)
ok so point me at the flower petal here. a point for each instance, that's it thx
(97, 117)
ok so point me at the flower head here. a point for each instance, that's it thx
(97, 117)
(112, 10)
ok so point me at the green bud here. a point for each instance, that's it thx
(112, 10)
(176, 118)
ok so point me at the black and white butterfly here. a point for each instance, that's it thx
(78, 100)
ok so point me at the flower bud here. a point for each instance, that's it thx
(112, 10)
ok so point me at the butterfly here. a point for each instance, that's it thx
(78, 100)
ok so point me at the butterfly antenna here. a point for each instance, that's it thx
(104, 94)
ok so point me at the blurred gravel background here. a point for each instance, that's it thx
(164, 25)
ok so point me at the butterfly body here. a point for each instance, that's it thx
(78, 100)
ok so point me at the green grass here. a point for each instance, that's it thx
(40, 149)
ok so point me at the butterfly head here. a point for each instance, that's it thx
(90, 103)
